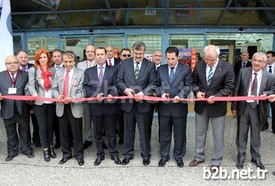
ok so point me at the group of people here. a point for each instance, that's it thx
(103, 78)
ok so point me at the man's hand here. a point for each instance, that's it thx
(200, 95)
(129, 92)
(176, 99)
(67, 100)
(110, 98)
(61, 97)
(139, 96)
(271, 98)
(1, 98)
(210, 101)
(99, 97)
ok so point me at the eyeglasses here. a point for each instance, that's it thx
(12, 63)
(126, 55)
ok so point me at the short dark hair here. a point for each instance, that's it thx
(125, 49)
(101, 48)
(172, 49)
(271, 52)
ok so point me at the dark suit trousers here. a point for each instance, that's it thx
(24, 137)
(249, 117)
(35, 134)
(272, 105)
(68, 123)
(44, 115)
(109, 122)
(166, 128)
(143, 122)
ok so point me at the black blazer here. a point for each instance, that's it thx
(242, 87)
(181, 86)
(222, 84)
(92, 89)
(7, 105)
(238, 66)
(146, 82)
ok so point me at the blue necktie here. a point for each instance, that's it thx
(172, 73)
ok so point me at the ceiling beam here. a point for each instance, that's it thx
(56, 14)
(110, 13)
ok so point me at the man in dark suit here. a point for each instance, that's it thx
(100, 81)
(253, 81)
(111, 60)
(23, 58)
(13, 82)
(212, 78)
(67, 85)
(242, 63)
(175, 80)
(137, 76)
(270, 67)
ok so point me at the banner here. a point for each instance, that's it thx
(6, 42)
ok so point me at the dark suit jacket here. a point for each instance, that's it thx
(181, 86)
(146, 82)
(222, 84)
(238, 66)
(242, 87)
(7, 105)
(117, 61)
(92, 89)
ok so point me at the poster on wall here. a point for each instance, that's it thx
(188, 56)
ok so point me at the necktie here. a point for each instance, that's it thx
(244, 64)
(171, 76)
(270, 69)
(90, 64)
(210, 75)
(100, 75)
(24, 69)
(66, 84)
(136, 70)
(12, 76)
(110, 62)
(254, 89)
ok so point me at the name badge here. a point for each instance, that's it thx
(12, 91)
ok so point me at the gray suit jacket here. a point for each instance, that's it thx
(76, 91)
(83, 65)
(180, 86)
(31, 84)
(146, 82)
(7, 105)
(242, 87)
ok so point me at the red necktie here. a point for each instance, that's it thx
(110, 62)
(24, 69)
(66, 84)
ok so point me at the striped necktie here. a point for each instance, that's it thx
(137, 70)
(210, 75)
(171, 76)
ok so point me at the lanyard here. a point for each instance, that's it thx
(13, 81)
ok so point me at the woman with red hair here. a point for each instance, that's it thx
(39, 85)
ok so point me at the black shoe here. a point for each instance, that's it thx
(9, 158)
(87, 144)
(116, 160)
(146, 161)
(56, 146)
(30, 155)
(120, 141)
(64, 160)
(180, 163)
(258, 163)
(80, 162)
(51, 152)
(162, 162)
(46, 155)
(98, 161)
(125, 161)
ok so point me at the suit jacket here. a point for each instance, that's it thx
(146, 82)
(92, 89)
(242, 87)
(266, 68)
(83, 65)
(31, 84)
(222, 84)
(75, 91)
(7, 106)
(238, 65)
(180, 86)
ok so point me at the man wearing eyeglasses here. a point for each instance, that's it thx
(137, 77)
(125, 53)
(13, 112)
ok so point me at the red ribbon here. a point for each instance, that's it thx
(147, 98)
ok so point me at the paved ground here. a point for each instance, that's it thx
(24, 171)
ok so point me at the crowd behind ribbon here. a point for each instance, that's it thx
(101, 76)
